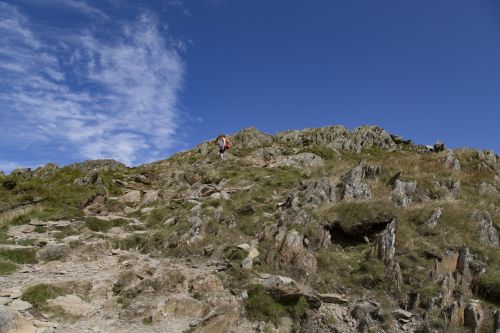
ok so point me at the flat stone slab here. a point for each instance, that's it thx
(20, 305)
(73, 305)
(333, 298)
(19, 230)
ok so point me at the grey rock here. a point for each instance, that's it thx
(333, 298)
(353, 187)
(20, 305)
(24, 173)
(402, 314)
(289, 255)
(402, 194)
(485, 188)
(286, 289)
(252, 138)
(48, 170)
(452, 162)
(133, 196)
(150, 197)
(13, 322)
(91, 178)
(195, 221)
(338, 137)
(53, 252)
(100, 165)
(320, 191)
(301, 161)
(488, 234)
(434, 219)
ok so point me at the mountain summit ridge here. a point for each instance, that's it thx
(317, 230)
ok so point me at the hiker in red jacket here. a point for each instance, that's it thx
(223, 143)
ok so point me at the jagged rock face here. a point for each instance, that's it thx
(99, 165)
(320, 191)
(338, 137)
(252, 138)
(48, 170)
(289, 255)
(488, 160)
(403, 192)
(488, 234)
(353, 187)
(24, 173)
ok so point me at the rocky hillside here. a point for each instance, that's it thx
(320, 230)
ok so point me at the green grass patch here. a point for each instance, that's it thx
(97, 225)
(19, 256)
(7, 267)
(260, 306)
(38, 294)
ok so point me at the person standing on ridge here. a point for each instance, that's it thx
(223, 143)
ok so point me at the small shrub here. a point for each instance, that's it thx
(38, 294)
(261, 306)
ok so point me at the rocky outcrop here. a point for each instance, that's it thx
(252, 138)
(352, 185)
(486, 188)
(402, 193)
(385, 249)
(452, 162)
(338, 137)
(434, 219)
(46, 171)
(488, 234)
(473, 317)
(289, 255)
(287, 290)
(23, 173)
(320, 191)
(99, 165)
(302, 161)
(487, 160)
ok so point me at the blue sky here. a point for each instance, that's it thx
(138, 80)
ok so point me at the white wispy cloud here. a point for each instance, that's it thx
(101, 99)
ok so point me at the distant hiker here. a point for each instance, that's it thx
(223, 143)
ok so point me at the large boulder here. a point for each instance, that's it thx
(133, 196)
(353, 187)
(402, 193)
(13, 322)
(53, 252)
(288, 254)
(287, 290)
(72, 305)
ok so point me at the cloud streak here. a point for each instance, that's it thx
(94, 97)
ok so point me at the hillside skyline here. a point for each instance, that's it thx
(137, 81)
